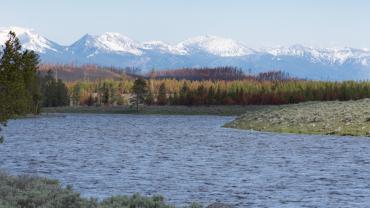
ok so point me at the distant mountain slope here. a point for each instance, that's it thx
(69, 73)
(114, 49)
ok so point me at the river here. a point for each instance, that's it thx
(189, 159)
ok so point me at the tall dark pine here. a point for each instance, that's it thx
(30, 62)
(162, 95)
(12, 89)
(140, 89)
(54, 92)
(19, 92)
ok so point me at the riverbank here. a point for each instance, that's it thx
(31, 191)
(223, 110)
(347, 118)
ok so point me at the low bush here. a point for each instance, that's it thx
(37, 192)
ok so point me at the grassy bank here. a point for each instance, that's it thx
(32, 192)
(329, 118)
(233, 110)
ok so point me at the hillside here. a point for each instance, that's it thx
(70, 73)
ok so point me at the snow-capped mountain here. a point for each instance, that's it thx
(324, 55)
(108, 43)
(30, 39)
(214, 45)
(114, 49)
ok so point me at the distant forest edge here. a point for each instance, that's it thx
(61, 85)
(215, 92)
(70, 73)
(96, 86)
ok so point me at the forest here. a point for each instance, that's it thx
(193, 87)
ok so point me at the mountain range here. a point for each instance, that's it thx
(114, 49)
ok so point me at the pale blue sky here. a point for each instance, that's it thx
(256, 23)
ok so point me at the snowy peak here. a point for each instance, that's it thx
(214, 45)
(323, 55)
(29, 39)
(108, 42)
(116, 42)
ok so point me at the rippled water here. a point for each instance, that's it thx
(190, 158)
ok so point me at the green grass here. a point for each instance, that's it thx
(347, 118)
(36, 192)
(161, 110)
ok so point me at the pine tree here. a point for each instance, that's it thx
(62, 93)
(19, 93)
(162, 95)
(30, 61)
(183, 94)
(54, 93)
(211, 96)
(149, 100)
(140, 89)
(13, 94)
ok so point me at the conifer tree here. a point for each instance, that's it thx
(30, 61)
(183, 94)
(140, 90)
(149, 100)
(13, 94)
(19, 93)
(162, 95)
(54, 93)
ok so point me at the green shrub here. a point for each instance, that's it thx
(37, 192)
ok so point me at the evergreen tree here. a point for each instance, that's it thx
(90, 100)
(183, 94)
(62, 94)
(211, 96)
(13, 94)
(54, 93)
(30, 61)
(140, 90)
(162, 95)
(19, 93)
(106, 94)
(174, 99)
(201, 95)
(149, 100)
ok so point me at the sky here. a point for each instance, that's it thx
(257, 23)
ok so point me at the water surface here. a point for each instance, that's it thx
(190, 158)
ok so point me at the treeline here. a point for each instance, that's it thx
(88, 72)
(70, 72)
(217, 73)
(219, 92)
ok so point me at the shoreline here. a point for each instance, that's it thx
(340, 118)
(219, 110)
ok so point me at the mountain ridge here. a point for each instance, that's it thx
(115, 49)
